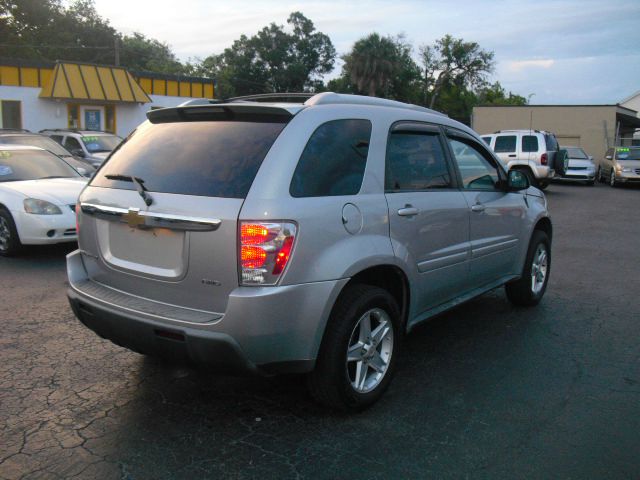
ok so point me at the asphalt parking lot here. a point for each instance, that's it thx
(485, 391)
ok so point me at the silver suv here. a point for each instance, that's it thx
(300, 238)
(535, 153)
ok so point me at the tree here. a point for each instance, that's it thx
(494, 94)
(452, 60)
(380, 66)
(273, 60)
(372, 63)
(140, 53)
(46, 30)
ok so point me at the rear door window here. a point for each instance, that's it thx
(505, 144)
(333, 161)
(529, 143)
(205, 158)
(72, 144)
(416, 161)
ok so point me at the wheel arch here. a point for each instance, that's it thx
(544, 225)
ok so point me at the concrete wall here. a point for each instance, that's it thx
(38, 113)
(590, 127)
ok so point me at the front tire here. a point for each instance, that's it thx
(612, 178)
(529, 289)
(358, 354)
(9, 240)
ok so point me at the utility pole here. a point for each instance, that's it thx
(116, 43)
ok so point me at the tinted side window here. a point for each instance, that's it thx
(505, 143)
(72, 144)
(477, 172)
(415, 161)
(487, 140)
(333, 161)
(529, 143)
(57, 138)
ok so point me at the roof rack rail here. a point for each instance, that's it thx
(330, 98)
(518, 130)
(287, 97)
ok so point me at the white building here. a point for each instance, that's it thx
(43, 95)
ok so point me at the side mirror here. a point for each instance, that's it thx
(78, 152)
(608, 157)
(517, 181)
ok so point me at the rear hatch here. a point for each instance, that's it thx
(159, 219)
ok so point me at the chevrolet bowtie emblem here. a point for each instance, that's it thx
(133, 218)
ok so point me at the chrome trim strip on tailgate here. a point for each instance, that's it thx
(145, 219)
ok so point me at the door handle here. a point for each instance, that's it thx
(408, 211)
(478, 207)
(513, 155)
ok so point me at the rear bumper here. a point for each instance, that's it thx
(264, 330)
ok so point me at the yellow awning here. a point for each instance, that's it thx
(73, 81)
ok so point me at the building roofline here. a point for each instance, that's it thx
(18, 62)
(631, 97)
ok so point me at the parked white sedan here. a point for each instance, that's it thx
(38, 193)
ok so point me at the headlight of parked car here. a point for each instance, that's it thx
(40, 207)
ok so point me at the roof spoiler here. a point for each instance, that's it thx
(212, 112)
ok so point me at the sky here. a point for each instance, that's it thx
(550, 51)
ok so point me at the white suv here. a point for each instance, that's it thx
(534, 152)
(92, 146)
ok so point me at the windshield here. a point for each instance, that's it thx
(16, 165)
(577, 153)
(36, 141)
(628, 153)
(101, 143)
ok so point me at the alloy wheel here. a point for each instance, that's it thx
(539, 269)
(369, 350)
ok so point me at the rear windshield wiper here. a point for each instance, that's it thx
(138, 182)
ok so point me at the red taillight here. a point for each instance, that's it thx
(544, 159)
(252, 257)
(264, 251)
(253, 234)
(283, 256)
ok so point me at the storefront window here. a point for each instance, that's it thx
(73, 116)
(11, 115)
(110, 118)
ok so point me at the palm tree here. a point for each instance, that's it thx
(372, 64)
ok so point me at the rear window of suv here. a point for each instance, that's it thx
(204, 158)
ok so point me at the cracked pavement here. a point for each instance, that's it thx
(484, 391)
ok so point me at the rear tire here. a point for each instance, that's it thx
(529, 289)
(9, 240)
(358, 354)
